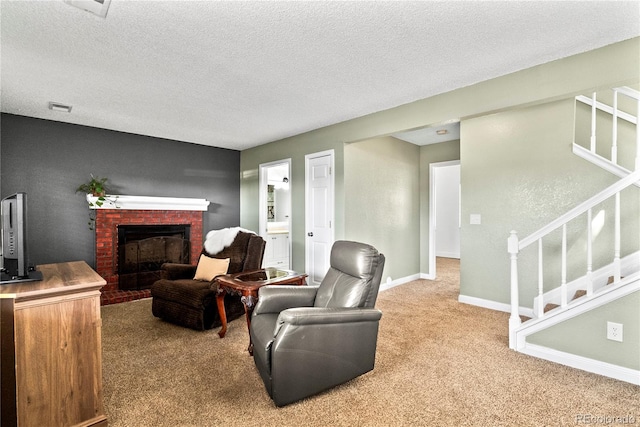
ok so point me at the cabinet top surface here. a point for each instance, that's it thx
(57, 278)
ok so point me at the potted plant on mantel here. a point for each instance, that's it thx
(97, 188)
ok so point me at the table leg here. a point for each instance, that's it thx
(249, 301)
(221, 312)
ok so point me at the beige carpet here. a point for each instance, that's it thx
(439, 363)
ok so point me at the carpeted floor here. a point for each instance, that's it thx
(439, 363)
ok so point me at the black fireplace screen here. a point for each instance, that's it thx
(142, 249)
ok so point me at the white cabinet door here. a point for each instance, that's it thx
(276, 252)
(281, 246)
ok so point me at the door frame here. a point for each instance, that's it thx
(263, 169)
(432, 213)
(307, 192)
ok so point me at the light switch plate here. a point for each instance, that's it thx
(475, 219)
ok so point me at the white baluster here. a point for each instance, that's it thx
(593, 122)
(563, 283)
(540, 308)
(616, 242)
(614, 136)
(514, 320)
(589, 253)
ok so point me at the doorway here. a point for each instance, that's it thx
(275, 213)
(319, 214)
(444, 212)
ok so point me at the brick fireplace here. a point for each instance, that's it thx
(109, 218)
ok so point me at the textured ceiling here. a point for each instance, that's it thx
(240, 74)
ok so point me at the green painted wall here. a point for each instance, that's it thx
(586, 335)
(382, 206)
(295, 150)
(519, 173)
(614, 65)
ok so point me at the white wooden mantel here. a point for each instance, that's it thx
(115, 201)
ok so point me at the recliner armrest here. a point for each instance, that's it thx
(276, 298)
(173, 271)
(320, 315)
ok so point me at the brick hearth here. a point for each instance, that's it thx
(107, 221)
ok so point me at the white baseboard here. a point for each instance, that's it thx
(493, 305)
(480, 302)
(428, 276)
(584, 363)
(393, 283)
(448, 254)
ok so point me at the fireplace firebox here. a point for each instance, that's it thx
(142, 249)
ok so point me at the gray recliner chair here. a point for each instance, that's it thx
(309, 339)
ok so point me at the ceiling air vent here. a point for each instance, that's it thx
(56, 106)
(97, 7)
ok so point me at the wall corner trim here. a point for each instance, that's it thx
(493, 305)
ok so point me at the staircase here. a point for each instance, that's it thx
(593, 288)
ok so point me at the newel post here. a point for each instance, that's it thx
(514, 320)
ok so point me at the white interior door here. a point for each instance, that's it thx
(319, 205)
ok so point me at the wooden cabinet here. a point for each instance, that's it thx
(51, 369)
(276, 251)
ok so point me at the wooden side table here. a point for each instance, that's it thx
(246, 284)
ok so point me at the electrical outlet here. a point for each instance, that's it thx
(614, 331)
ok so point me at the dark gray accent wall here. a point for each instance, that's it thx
(48, 160)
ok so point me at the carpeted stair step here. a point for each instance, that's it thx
(550, 306)
(610, 281)
(579, 293)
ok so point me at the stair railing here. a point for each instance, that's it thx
(615, 114)
(514, 246)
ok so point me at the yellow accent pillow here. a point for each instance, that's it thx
(208, 268)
